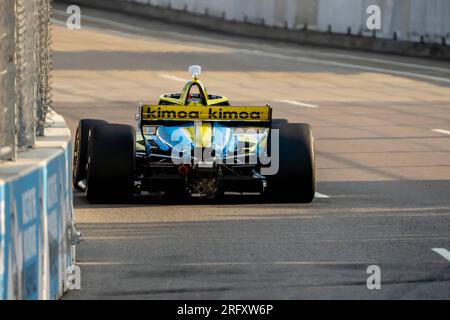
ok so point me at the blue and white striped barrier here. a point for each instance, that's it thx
(3, 237)
(36, 219)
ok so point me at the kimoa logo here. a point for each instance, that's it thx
(211, 113)
(220, 114)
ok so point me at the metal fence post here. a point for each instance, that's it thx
(7, 81)
(44, 101)
(26, 73)
(25, 65)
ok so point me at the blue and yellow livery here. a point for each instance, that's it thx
(194, 143)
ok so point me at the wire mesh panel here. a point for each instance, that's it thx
(26, 72)
(7, 80)
(25, 64)
(44, 96)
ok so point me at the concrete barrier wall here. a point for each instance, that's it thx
(36, 218)
(290, 13)
(409, 19)
(194, 14)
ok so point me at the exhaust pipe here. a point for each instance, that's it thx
(202, 189)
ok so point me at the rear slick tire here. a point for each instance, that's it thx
(295, 181)
(81, 149)
(111, 163)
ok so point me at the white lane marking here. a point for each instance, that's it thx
(321, 196)
(443, 252)
(131, 30)
(441, 131)
(316, 52)
(344, 65)
(230, 263)
(98, 20)
(386, 62)
(173, 78)
(298, 103)
(261, 53)
(89, 264)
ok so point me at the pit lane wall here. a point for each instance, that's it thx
(408, 27)
(36, 218)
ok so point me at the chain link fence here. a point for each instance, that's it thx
(7, 80)
(25, 64)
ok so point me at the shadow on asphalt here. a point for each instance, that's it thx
(406, 194)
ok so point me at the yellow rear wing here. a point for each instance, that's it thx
(151, 113)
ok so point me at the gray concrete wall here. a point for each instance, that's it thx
(409, 19)
(273, 12)
(263, 19)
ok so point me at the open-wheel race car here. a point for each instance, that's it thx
(195, 144)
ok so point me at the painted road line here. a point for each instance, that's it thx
(375, 60)
(228, 43)
(322, 196)
(441, 131)
(443, 252)
(130, 30)
(133, 29)
(229, 263)
(330, 63)
(173, 78)
(298, 103)
(231, 43)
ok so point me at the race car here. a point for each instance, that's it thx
(195, 144)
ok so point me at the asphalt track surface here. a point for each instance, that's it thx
(382, 127)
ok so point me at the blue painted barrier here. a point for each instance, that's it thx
(36, 219)
(3, 244)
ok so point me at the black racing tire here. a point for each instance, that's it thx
(81, 150)
(295, 181)
(111, 163)
(279, 122)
